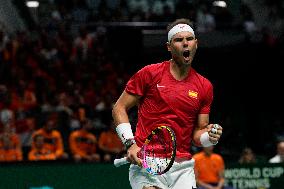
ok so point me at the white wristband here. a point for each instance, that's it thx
(124, 132)
(204, 140)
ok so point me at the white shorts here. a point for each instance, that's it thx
(180, 176)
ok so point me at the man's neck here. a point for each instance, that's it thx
(179, 72)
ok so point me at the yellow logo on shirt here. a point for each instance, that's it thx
(192, 94)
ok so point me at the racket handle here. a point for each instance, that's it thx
(120, 161)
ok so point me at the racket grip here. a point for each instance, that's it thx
(120, 161)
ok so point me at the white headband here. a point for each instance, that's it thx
(179, 28)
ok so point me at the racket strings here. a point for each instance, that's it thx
(164, 143)
(158, 152)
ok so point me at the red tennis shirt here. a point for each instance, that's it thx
(167, 101)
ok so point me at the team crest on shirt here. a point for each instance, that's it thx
(192, 94)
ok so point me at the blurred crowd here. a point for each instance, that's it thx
(57, 86)
(73, 78)
(208, 15)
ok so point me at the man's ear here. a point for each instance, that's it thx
(168, 46)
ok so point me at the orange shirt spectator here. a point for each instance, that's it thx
(53, 141)
(110, 144)
(9, 131)
(209, 169)
(83, 143)
(13, 138)
(38, 152)
(10, 149)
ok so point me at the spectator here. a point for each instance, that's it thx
(279, 157)
(209, 169)
(158, 7)
(10, 147)
(10, 131)
(205, 20)
(74, 122)
(82, 45)
(138, 5)
(247, 156)
(52, 138)
(38, 152)
(25, 128)
(247, 19)
(23, 97)
(64, 103)
(138, 10)
(110, 144)
(83, 143)
(6, 116)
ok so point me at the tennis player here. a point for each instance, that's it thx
(172, 93)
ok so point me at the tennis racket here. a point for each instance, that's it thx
(158, 151)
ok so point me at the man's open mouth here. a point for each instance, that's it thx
(186, 54)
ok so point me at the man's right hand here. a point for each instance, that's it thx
(132, 155)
